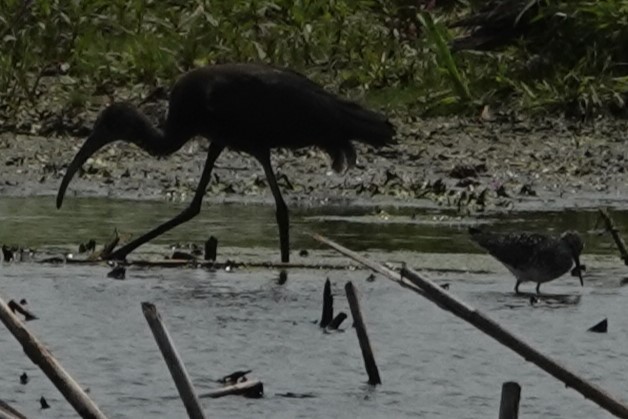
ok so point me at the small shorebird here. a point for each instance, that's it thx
(533, 257)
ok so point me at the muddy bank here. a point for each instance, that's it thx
(468, 164)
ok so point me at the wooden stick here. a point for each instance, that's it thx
(337, 321)
(250, 388)
(42, 357)
(328, 305)
(363, 338)
(173, 361)
(177, 263)
(447, 301)
(509, 405)
(8, 412)
(374, 266)
(610, 227)
(211, 248)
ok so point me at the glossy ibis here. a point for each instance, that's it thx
(533, 257)
(247, 107)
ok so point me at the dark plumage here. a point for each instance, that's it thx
(533, 257)
(496, 23)
(247, 107)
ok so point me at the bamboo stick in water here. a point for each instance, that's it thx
(509, 404)
(173, 361)
(42, 357)
(363, 338)
(449, 302)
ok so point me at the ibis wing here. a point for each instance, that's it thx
(289, 109)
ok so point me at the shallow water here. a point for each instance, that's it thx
(432, 364)
(35, 222)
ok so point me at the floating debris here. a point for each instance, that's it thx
(230, 265)
(253, 389)
(54, 260)
(283, 277)
(118, 272)
(601, 327)
(15, 307)
(44, 404)
(8, 253)
(24, 379)
(291, 395)
(304, 253)
(90, 246)
(233, 378)
(178, 255)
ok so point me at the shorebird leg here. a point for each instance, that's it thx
(281, 208)
(517, 287)
(187, 214)
(578, 268)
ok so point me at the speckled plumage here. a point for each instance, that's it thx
(533, 257)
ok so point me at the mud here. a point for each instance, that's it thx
(470, 164)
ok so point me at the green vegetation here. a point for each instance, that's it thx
(569, 55)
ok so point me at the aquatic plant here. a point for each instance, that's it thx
(395, 52)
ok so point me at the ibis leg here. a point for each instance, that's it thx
(187, 214)
(282, 210)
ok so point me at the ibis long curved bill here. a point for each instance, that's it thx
(91, 146)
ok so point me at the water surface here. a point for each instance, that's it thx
(432, 364)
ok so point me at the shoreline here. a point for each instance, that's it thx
(465, 165)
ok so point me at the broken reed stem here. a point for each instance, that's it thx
(337, 321)
(328, 305)
(610, 227)
(363, 338)
(447, 301)
(249, 388)
(211, 249)
(173, 361)
(177, 263)
(42, 357)
(509, 404)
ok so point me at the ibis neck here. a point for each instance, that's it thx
(155, 141)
